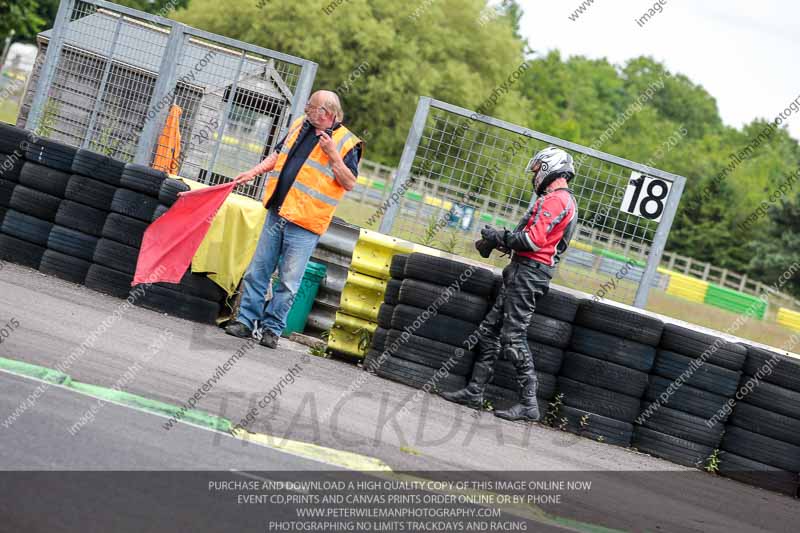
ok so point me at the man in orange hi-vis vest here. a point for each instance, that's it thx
(307, 176)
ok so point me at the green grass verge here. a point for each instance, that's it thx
(35, 371)
(8, 112)
(193, 416)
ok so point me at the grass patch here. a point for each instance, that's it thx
(9, 111)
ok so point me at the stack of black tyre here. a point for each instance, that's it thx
(80, 216)
(605, 371)
(12, 158)
(695, 374)
(549, 333)
(761, 445)
(413, 343)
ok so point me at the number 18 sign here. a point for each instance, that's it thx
(645, 196)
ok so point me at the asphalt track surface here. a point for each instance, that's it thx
(630, 491)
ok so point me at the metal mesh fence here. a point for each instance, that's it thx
(116, 73)
(245, 104)
(103, 80)
(465, 171)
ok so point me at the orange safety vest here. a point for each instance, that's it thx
(313, 197)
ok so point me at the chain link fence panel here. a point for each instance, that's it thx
(461, 170)
(112, 74)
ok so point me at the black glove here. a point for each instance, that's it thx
(484, 247)
(491, 239)
(491, 234)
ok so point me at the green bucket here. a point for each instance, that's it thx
(304, 299)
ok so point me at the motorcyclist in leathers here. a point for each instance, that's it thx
(536, 245)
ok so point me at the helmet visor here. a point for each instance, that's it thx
(534, 165)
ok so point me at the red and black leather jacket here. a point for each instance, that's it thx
(545, 231)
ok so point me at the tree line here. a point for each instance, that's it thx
(461, 51)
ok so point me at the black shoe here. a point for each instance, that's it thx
(237, 329)
(269, 339)
(528, 412)
(465, 396)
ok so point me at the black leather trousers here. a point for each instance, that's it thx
(504, 329)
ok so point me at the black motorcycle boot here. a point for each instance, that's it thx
(472, 394)
(528, 407)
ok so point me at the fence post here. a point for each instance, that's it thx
(596, 263)
(659, 242)
(301, 93)
(743, 283)
(165, 83)
(406, 162)
(48, 71)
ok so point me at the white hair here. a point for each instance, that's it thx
(331, 102)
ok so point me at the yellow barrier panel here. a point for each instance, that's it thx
(362, 296)
(580, 246)
(373, 253)
(438, 202)
(686, 287)
(433, 200)
(788, 318)
(365, 288)
(346, 334)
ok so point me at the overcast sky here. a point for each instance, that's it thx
(743, 53)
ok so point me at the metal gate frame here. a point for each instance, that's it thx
(414, 137)
(167, 75)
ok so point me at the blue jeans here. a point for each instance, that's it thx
(289, 247)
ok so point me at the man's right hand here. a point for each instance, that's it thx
(265, 166)
(244, 177)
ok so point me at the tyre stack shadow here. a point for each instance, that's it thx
(80, 216)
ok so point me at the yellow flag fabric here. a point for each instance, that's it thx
(231, 241)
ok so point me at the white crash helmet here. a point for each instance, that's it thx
(548, 165)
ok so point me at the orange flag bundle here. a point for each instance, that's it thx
(168, 150)
(171, 241)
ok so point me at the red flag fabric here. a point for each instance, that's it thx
(172, 240)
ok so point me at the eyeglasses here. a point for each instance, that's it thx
(310, 107)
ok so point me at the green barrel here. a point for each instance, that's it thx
(304, 300)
